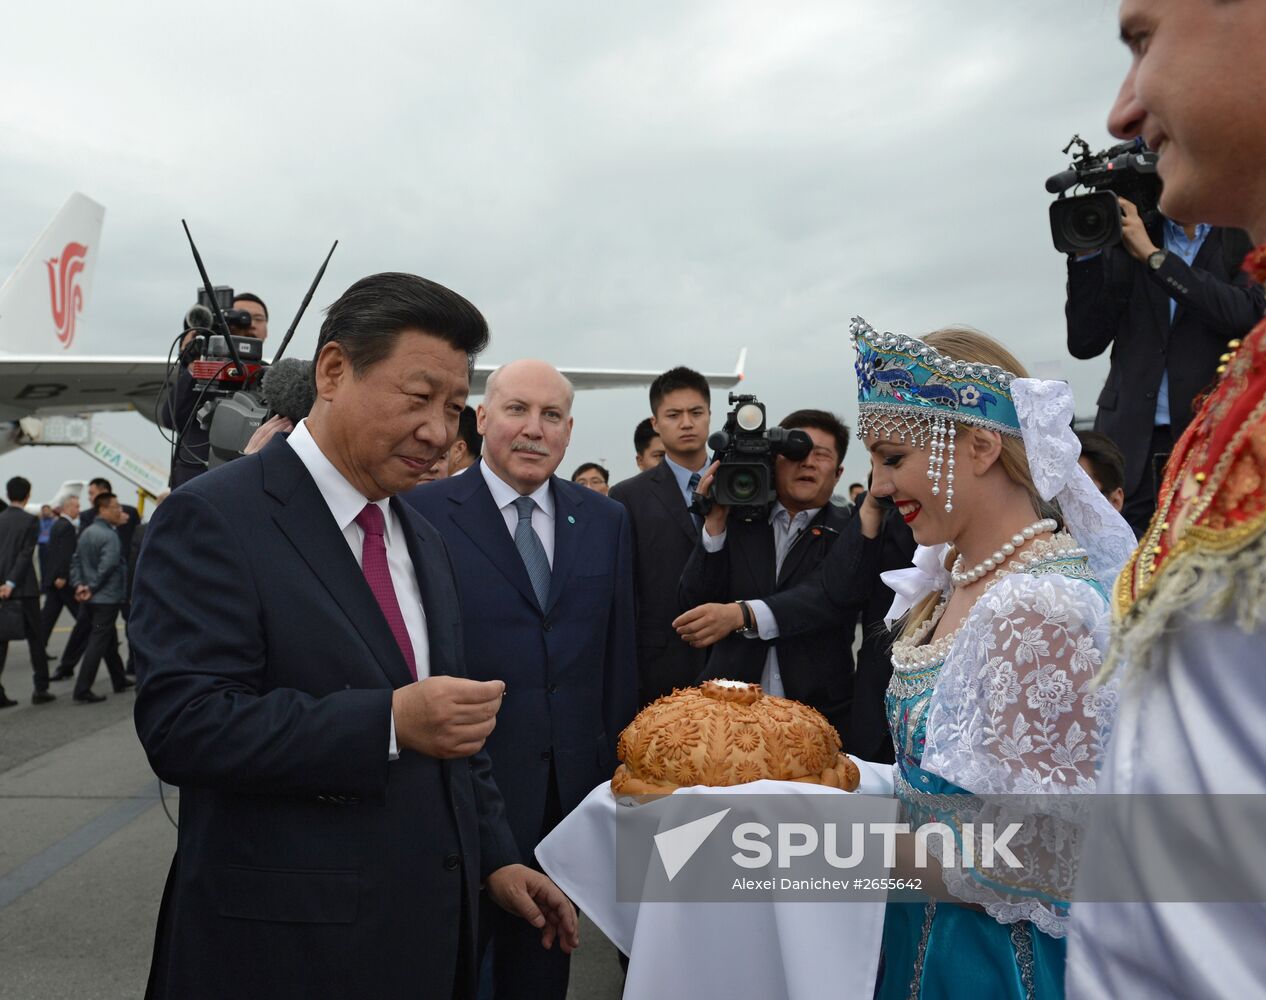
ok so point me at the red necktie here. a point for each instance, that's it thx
(373, 561)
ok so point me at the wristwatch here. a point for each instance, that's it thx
(1156, 259)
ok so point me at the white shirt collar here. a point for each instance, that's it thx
(344, 500)
(503, 494)
(810, 514)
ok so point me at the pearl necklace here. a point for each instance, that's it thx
(962, 579)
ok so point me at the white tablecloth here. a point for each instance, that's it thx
(774, 950)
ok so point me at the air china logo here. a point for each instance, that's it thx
(66, 297)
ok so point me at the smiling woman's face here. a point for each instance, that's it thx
(899, 471)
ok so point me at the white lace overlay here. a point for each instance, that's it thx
(1045, 410)
(1015, 712)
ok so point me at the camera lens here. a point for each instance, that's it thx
(1088, 223)
(743, 486)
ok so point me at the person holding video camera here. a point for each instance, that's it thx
(176, 413)
(737, 559)
(1165, 301)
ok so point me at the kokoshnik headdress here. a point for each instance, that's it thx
(909, 391)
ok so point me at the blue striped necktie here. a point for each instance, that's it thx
(531, 550)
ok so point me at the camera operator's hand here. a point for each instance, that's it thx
(265, 431)
(709, 623)
(714, 523)
(1134, 233)
(871, 516)
(445, 716)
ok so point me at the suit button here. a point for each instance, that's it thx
(546, 625)
(1151, 395)
(547, 755)
(552, 689)
(451, 862)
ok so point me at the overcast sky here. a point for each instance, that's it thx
(636, 185)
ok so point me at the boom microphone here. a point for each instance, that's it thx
(288, 388)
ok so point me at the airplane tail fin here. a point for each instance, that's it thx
(42, 302)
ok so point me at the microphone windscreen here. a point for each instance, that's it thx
(289, 389)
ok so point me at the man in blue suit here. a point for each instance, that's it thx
(298, 642)
(545, 581)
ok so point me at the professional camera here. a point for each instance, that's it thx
(201, 314)
(1090, 222)
(236, 390)
(746, 447)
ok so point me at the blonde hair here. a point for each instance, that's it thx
(962, 343)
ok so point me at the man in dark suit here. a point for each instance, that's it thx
(753, 559)
(58, 594)
(664, 530)
(19, 533)
(545, 579)
(302, 679)
(868, 732)
(1167, 313)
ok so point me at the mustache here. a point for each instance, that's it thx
(531, 447)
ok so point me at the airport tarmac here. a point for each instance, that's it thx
(85, 845)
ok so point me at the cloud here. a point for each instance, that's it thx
(625, 185)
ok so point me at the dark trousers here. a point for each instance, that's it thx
(103, 642)
(1140, 505)
(521, 968)
(34, 642)
(54, 601)
(78, 641)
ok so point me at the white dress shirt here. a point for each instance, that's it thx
(787, 531)
(504, 495)
(345, 502)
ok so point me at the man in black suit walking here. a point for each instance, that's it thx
(664, 530)
(736, 560)
(302, 679)
(58, 593)
(19, 534)
(545, 578)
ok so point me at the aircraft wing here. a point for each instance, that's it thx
(34, 384)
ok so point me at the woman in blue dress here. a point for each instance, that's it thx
(1005, 623)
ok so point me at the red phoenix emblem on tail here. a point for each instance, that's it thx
(67, 298)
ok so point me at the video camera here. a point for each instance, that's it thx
(236, 390)
(1090, 222)
(746, 448)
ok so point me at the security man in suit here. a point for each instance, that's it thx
(1167, 312)
(545, 579)
(59, 595)
(664, 530)
(303, 680)
(19, 534)
(737, 559)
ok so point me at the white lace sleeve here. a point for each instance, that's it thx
(1015, 713)
(1045, 411)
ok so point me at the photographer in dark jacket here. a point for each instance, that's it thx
(1167, 312)
(752, 559)
(176, 412)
